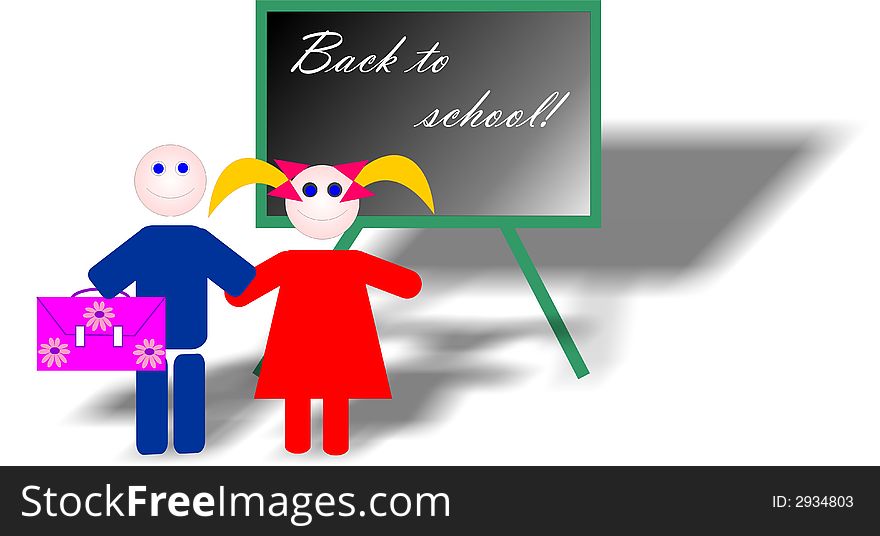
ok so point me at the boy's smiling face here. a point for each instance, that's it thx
(321, 214)
(170, 180)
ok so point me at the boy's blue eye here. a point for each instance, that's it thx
(182, 168)
(334, 189)
(309, 189)
(158, 168)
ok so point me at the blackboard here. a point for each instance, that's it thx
(530, 158)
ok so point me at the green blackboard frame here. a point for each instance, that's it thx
(593, 220)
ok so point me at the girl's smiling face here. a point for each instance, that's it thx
(321, 214)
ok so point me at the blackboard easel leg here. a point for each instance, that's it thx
(349, 236)
(545, 301)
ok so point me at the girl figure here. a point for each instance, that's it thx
(323, 342)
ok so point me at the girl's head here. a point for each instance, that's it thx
(322, 201)
(314, 202)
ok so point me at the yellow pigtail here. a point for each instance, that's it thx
(399, 169)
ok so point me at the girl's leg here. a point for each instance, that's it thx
(297, 425)
(336, 426)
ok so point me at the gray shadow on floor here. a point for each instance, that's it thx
(421, 395)
(230, 407)
(229, 404)
(453, 357)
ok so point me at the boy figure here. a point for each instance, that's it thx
(174, 262)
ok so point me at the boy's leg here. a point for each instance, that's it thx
(189, 403)
(336, 426)
(151, 411)
(297, 425)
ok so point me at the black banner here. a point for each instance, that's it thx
(429, 500)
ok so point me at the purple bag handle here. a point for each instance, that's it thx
(83, 291)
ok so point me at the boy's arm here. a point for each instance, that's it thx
(115, 272)
(226, 268)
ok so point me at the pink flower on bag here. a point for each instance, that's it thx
(54, 352)
(149, 353)
(99, 316)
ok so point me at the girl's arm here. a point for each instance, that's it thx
(389, 277)
(268, 278)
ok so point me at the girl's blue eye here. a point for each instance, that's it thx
(309, 189)
(158, 168)
(334, 189)
(182, 168)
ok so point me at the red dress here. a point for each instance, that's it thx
(323, 341)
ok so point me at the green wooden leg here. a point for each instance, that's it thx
(345, 242)
(348, 237)
(545, 301)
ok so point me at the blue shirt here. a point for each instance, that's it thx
(175, 262)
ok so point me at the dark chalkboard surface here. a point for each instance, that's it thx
(533, 163)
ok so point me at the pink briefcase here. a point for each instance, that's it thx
(87, 333)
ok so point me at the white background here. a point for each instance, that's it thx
(761, 350)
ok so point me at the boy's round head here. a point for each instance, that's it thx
(170, 180)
